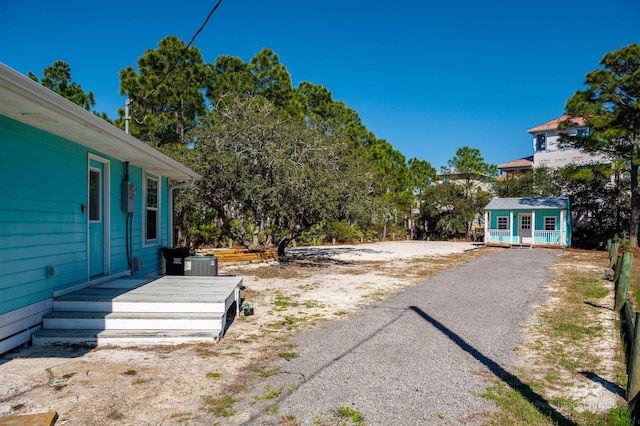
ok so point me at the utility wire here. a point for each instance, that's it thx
(170, 70)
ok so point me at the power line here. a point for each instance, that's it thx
(170, 70)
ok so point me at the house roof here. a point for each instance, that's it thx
(522, 163)
(26, 101)
(555, 124)
(538, 203)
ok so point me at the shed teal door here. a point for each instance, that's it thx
(96, 218)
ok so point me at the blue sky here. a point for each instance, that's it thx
(428, 77)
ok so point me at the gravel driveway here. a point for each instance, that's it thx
(419, 358)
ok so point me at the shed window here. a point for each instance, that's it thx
(549, 223)
(152, 222)
(503, 222)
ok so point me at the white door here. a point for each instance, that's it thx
(524, 228)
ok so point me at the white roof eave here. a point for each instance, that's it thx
(28, 102)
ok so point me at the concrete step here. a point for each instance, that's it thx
(123, 337)
(133, 320)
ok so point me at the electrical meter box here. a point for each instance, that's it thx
(128, 196)
(201, 266)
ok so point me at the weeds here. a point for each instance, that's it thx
(221, 407)
(214, 375)
(354, 416)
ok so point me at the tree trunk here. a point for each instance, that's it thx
(283, 245)
(635, 197)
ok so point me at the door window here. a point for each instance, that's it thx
(95, 195)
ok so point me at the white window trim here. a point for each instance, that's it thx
(555, 223)
(546, 142)
(156, 242)
(106, 210)
(498, 222)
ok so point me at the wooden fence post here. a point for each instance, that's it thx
(609, 247)
(614, 254)
(622, 284)
(633, 387)
(616, 272)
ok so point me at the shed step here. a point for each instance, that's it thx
(133, 320)
(123, 337)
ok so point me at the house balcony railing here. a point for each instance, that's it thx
(499, 236)
(547, 237)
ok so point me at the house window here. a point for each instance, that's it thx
(152, 214)
(503, 222)
(549, 223)
(582, 133)
(541, 141)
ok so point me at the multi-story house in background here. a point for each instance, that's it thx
(546, 148)
(547, 151)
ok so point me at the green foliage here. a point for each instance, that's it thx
(166, 92)
(611, 111)
(263, 171)
(342, 231)
(423, 174)
(354, 416)
(469, 166)
(57, 78)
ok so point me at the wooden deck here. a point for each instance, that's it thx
(140, 311)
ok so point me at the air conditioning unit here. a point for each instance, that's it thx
(201, 266)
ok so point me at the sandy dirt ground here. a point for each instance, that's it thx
(183, 384)
(198, 383)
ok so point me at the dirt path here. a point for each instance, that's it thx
(420, 357)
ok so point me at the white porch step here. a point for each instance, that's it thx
(133, 320)
(151, 304)
(167, 310)
(123, 337)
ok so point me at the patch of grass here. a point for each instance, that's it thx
(130, 372)
(214, 375)
(289, 420)
(220, 406)
(268, 372)
(270, 394)
(206, 350)
(282, 303)
(288, 355)
(272, 410)
(354, 416)
(140, 381)
(313, 304)
(289, 322)
(515, 409)
(17, 407)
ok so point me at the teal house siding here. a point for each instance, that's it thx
(41, 222)
(62, 222)
(528, 221)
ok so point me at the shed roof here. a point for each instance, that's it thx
(537, 203)
(26, 101)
